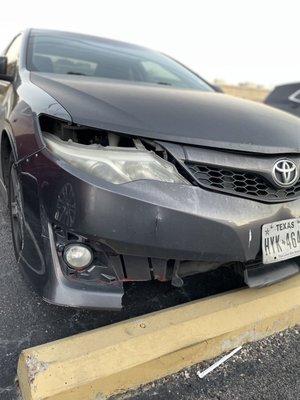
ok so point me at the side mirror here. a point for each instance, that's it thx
(3, 65)
(3, 70)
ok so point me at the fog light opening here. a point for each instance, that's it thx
(78, 256)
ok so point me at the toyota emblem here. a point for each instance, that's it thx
(285, 173)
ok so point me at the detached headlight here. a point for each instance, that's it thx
(115, 164)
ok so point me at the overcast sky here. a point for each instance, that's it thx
(233, 40)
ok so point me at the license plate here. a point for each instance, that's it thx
(281, 240)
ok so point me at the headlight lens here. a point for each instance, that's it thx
(115, 164)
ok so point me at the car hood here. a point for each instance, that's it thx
(178, 115)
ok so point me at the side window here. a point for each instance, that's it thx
(12, 55)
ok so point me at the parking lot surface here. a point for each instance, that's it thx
(266, 370)
(26, 321)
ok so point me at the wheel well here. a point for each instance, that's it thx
(6, 150)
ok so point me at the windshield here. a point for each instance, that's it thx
(63, 53)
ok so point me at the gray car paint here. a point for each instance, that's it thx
(140, 220)
(178, 115)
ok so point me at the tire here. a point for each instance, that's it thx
(15, 204)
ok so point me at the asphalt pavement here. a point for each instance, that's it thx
(26, 320)
(266, 370)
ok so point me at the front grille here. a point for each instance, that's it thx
(242, 183)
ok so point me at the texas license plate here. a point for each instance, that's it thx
(281, 240)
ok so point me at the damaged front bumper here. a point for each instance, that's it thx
(144, 230)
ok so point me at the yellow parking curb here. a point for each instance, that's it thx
(115, 358)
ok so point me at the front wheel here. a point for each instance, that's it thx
(15, 201)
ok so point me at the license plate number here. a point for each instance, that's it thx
(281, 240)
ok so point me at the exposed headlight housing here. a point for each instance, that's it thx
(115, 164)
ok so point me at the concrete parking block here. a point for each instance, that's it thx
(122, 356)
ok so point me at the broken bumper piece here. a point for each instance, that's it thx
(146, 230)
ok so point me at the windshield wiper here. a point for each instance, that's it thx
(164, 83)
(75, 73)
